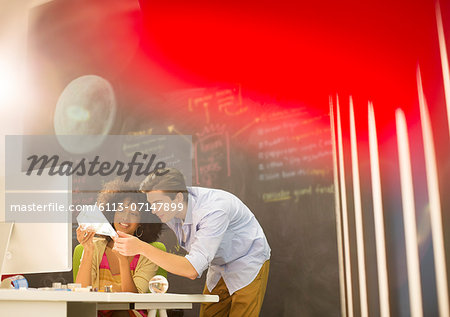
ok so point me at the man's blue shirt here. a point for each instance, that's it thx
(220, 232)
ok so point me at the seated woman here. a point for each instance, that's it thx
(102, 266)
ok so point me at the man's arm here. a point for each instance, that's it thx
(211, 230)
(129, 245)
(172, 263)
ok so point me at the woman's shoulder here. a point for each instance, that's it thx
(142, 259)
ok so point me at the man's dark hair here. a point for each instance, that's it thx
(169, 180)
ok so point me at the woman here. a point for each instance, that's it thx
(102, 266)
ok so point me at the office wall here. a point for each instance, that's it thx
(274, 154)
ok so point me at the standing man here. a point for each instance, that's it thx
(219, 233)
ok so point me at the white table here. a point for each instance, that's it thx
(64, 303)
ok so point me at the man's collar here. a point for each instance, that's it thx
(191, 202)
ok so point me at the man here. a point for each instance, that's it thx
(219, 233)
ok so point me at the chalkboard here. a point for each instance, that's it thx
(275, 156)
(277, 159)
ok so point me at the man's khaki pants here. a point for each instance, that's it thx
(245, 302)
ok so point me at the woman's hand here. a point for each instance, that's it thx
(85, 238)
(127, 245)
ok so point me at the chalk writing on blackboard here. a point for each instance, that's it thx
(229, 103)
(172, 129)
(297, 193)
(293, 149)
(224, 101)
(247, 126)
(212, 155)
(286, 114)
(141, 132)
(203, 101)
(276, 196)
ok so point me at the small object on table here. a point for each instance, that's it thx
(73, 286)
(56, 285)
(158, 284)
(82, 289)
(16, 281)
(108, 288)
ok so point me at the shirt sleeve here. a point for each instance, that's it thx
(145, 270)
(99, 249)
(94, 269)
(208, 237)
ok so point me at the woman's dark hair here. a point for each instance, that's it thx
(116, 192)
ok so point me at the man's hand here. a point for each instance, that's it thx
(127, 245)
